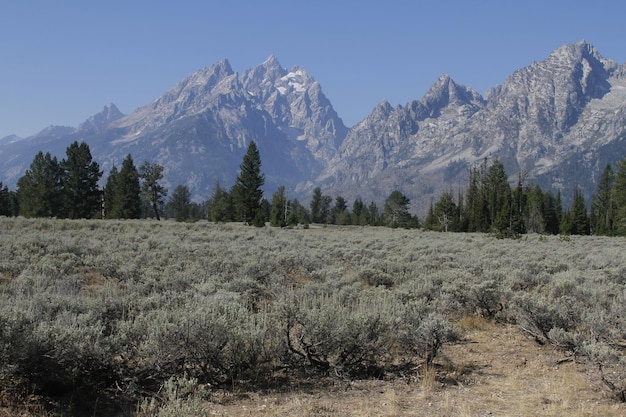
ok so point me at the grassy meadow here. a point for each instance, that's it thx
(145, 318)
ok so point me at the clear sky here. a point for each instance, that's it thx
(62, 61)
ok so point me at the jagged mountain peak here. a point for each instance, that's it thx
(296, 81)
(444, 80)
(384, 106)
(270, 77)
(445, 92)
(200, 82)
(553, 92)
(108, 114)
(571, 62)
(205, 78)
(262, 78)
(576, 52)
(111, 110)
(193, 95)
(271, 62)
(381, 112)
(296, 99)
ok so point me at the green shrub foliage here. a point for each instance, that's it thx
(142, 315)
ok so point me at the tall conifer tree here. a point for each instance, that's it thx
(316, 206)
(221, 205)
(602, 205)
(127, 200)
(278, 211)
(153, 192)
(550, 215)
(396, 210)
(619, 197)
(39, 190)
(80, 176)
(578, 220)
(109, 191)
(498, 192)
(179, 205)
(7, 201)
(247, 192)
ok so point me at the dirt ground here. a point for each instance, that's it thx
(496, 370)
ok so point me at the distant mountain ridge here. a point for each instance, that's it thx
(557, 121)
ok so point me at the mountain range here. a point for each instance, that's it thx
(557, 122)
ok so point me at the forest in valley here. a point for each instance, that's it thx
(70, 189)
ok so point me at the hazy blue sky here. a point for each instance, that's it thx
(62, 61)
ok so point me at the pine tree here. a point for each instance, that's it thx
(579, 222)
(476, 208)
(550, 218)
(80, 176)
(221, 205)
(7, 204)
(558, 207)
(320, 207)
(316, 206)
(462, 213)
(396, 210)
(565, 227)
(534, 211)
(127, 199)
(446, 213)
(498, 192)
(602, 206)
(110, 190)
(340, 213)
(374, 214)
(518, 203)
(360, 213)
(279, 206)
(430, 222)
(179, 205)
(263, 215)
(325, 209)
(618, 195)
(153, 192)
(247, 192)
(39, 190)
(297, 214)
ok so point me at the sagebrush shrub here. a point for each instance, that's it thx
(122, 307)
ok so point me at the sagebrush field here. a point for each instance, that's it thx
(146, 318)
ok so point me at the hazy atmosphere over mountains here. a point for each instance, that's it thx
(558, 121)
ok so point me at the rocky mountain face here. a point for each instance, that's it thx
(199, 130)
(558, 121)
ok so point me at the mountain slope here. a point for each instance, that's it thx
(558, 122)
(200, 128)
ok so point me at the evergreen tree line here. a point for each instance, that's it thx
(69, 189)
(245, 202)
(491, 205)
(281, 211)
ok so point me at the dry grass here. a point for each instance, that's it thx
(495, 371)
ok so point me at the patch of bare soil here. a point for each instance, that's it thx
(495, 371)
